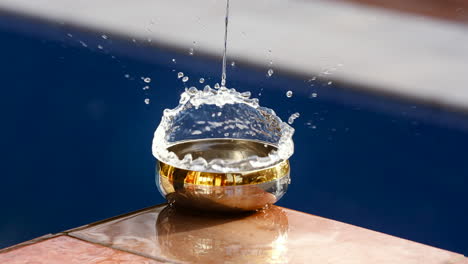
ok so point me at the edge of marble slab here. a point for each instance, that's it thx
(30, 242)
(67, 232)
(421, 85)
(458, 258)
(113, 218)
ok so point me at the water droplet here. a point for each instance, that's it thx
(147, 80)
(83, 44)
(226, 134)
(246, 94)
(113, 57)
(202, 80)
(180, 75)
(289, 94)
(104, 36)
(314, 94)
(127, 76)
(70, 35)
(147, 101)
(233, 63)
(174, 60)
(219, 113)
(216, 86)
(270, 72)
(100, 47)
(146, 88)
(330, 83)
(185, 79)
(191, 51)
(192, 90)
(293, 117)
(134, 40)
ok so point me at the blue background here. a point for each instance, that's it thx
(76, 139)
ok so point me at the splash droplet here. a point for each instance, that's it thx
(147, 101)
(270, 72)
(146, 87)
(174, 60)
(104, 36)
(70, 35)
(216, 86)
(147, 80)
(293, 117)
(83, 44)
(202, 80)
(100, 47)
(233, 64)
(314, 95)
(191, 51)
(185, 79)
(289, 94)
(330, 83)
(127, 76)
(180, 75)
(192, 90)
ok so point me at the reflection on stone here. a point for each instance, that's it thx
(205, 238)
(274, 235)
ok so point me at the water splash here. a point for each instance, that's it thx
(221, 113)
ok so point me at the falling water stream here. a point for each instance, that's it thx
(223, 75)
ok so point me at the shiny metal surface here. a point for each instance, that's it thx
(243, 191)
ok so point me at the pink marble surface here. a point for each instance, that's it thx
(276, 235)
(67, 250)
